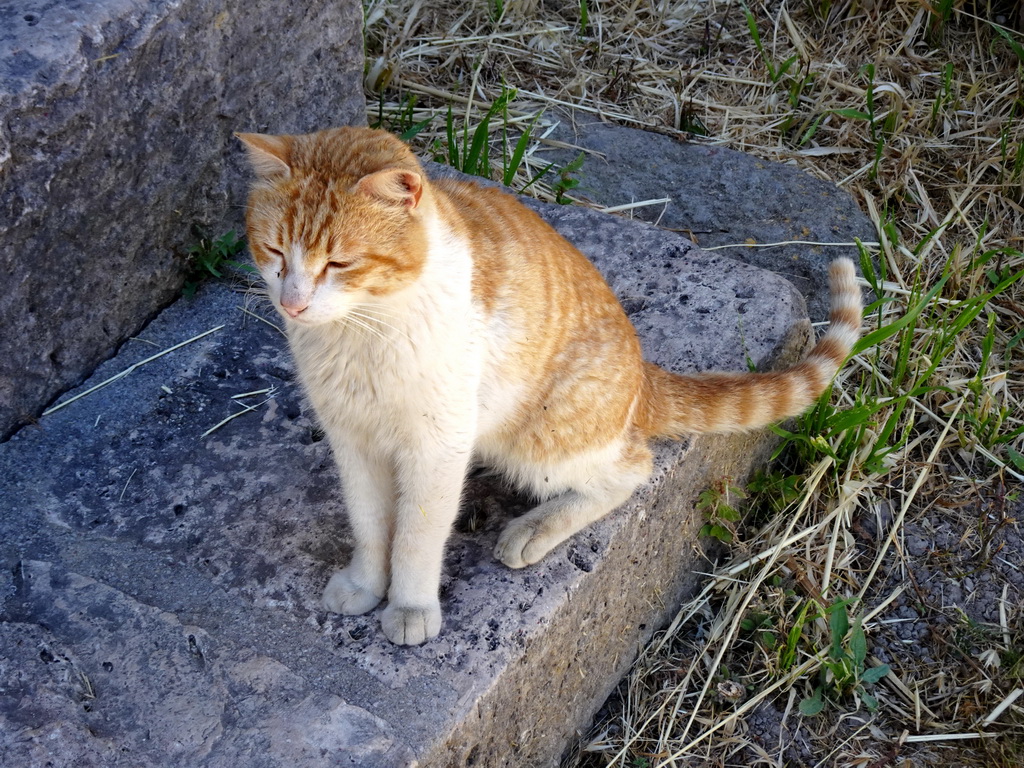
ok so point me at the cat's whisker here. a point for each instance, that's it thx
(377, 310)
(372, 318)
(354, 329)
(262, 319)
(356, 321)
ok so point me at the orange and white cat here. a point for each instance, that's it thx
(438, 322)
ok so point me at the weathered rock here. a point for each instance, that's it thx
(115, 141)
(160, 588)
(720, 197)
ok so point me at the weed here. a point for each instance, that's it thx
(690, 121)
(761, 625)
(208, 257)
(874, 124)
(1016, 47)
(775, 71)
(401, 122)
(1011, 156)
(717, 506)
(843, 671)
(924, 337)
(566, 180)
(944, 96)
(941, 11)
(774, 488)
(794, 83)
(472, 155)
(820, 8)
(511, 161)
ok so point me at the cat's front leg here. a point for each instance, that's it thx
(369, 488)
(430, 488)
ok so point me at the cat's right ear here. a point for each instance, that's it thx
(393, 185)
(270, 156)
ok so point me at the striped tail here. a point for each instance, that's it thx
(732, 402)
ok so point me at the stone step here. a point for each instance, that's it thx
(159, 602)
(719, 198)
(116, 122)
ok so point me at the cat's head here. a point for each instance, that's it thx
(335, 219)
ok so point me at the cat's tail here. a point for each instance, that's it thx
(730, 402)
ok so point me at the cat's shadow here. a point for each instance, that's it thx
(489, 501)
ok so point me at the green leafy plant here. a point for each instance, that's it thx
(876, 127)
(208, 258)
(820, 8)
(844, 671)
(566, 180)
(794, 82)
(775, 71)
(941, 11)
(1016, 47)
(471, 154)
(403, 122)
(944, 95)
(775, 489)
(762, 626)
(716, 504)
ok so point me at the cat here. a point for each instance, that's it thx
(434, 323)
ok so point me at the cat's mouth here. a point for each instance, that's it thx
(300, 320)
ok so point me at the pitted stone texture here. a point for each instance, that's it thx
(128, 532)
(115, 141)
(720, 197)
(98, 678)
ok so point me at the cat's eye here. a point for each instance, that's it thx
(274, 252)
(337, 264)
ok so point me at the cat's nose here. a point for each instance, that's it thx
(294, 308)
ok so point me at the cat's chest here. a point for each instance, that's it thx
(348, 374)
(385, 380)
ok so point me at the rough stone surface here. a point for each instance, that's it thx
(159, 589)
(719, 197)
(115, 141)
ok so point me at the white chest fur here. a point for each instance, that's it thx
(404, 366)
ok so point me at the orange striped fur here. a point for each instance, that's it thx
(729, 402)
(435, 322)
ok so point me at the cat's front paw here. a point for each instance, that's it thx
(411, 626)
(523, 542)
(344, 595)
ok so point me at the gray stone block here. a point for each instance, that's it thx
(719, 197)
(115, 139)
(180, 574)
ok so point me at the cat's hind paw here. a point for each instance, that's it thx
(411, 626)
(344, 595)
(524, 542)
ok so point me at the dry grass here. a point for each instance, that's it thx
(915, 108)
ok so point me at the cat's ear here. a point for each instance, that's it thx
(270, 156)
(393, 185)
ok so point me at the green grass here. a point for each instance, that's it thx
(473, 149)
(209, 257)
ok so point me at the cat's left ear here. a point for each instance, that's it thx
(270, 156)
(393, 185)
